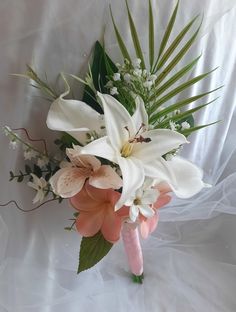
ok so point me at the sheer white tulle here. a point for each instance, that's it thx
(190, 260)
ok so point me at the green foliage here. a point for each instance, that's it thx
(92, 250)
(170, 53)
(101, 65)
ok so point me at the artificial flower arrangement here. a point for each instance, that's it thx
(119, 146)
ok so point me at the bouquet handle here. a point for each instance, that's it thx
(130, 236)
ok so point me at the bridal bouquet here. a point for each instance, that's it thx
(119, 146)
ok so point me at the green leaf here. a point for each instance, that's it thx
(20, 178)
(175, 43)
(28, 169)
(178, 57)
(37, 171)
(167, 32)
(92, 250)
(67, 140)
(176, 77)
(180, 104)
(180, 116)
(178, 89)
(135, 38)
(99, 74)
(120, 41)
(151, 35)
(191, 130)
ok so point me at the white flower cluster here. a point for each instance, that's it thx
(29, 151)
(139, 80)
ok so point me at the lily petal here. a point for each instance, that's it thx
(106, 178)
(111, 226)
(140, 115)
(162, 141)
(118, 121)
(101, 148)
(133, 178)
(188, 177)
(88, 224)
(74, 117)
(68, 181)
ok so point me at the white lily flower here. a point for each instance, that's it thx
(74, 117)
(39, 185)
(128, 143)
(142, 201)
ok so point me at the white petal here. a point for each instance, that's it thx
(188, 177)
(149, 196)
(159, 170)
(133, 213)
(146, 211)
(101, 148)
(140, 115)
(117, 119)
(162, 142)
(133, 177)
(106, 178)
(73, 117)
(67, 182)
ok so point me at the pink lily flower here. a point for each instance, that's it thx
(68, 181)
(96, 212)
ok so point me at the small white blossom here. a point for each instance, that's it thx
(137, 72)
(144, 73)
(127, 77)
(136, 63)
(142, 201)
(109, 84)
(38, 184)
(13, 144)
(42, 161)
(172, 126)
(152, 78)
(114, 91)
(116, 77)
(148, 84)
(29, 154)
(185, 125)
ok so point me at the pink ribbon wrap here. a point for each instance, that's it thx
(133, 248)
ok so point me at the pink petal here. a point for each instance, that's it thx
(148, 226)
(162, 201)
(163, 187)
(88, 224)
(68, 181)
(105, 178)
(111, 226)
(83, 202)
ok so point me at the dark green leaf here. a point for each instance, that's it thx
(176, 77)
(179, 89)
(92, 250)
(175, 44)
(180, 104)
(178, 57)
(191, 130)
(120, 41)
(37, 171)
(20, 178)
(180, 116)
(168, 31)
(67, 140)
(135, 38)
(28, 169)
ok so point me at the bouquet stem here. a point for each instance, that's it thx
(133, 251)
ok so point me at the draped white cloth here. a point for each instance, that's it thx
(190, 260)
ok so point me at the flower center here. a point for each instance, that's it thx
(137, 201)
(126, 150)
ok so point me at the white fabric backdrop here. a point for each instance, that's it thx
(190, 261)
